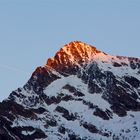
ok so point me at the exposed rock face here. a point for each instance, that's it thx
(80, 94)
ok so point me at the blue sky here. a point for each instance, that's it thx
(33, 30)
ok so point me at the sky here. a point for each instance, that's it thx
(31, 31)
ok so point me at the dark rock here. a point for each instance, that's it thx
(44, 78)
(115, 64)
(15, 109)
(51, 122)
(101, 114)
(132, 81)
(62, 130)
(65, 113)
(67, 98)
(73, 90)
(94, 88)
(73, 137)
(39, 110)
(91, 128)
(133, 65)
(119, 110)
(89, 104)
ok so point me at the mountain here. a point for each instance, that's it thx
(80, 94)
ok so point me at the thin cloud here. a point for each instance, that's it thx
(13, 69)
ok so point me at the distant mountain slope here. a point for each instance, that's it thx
(80, 94)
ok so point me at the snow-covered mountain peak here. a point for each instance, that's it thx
(75, 52)
(78, 48)
(80, 94)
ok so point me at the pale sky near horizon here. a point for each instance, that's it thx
(31, 31)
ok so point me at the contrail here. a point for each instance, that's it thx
(13, 69)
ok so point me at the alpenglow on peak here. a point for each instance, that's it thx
(74, 52)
